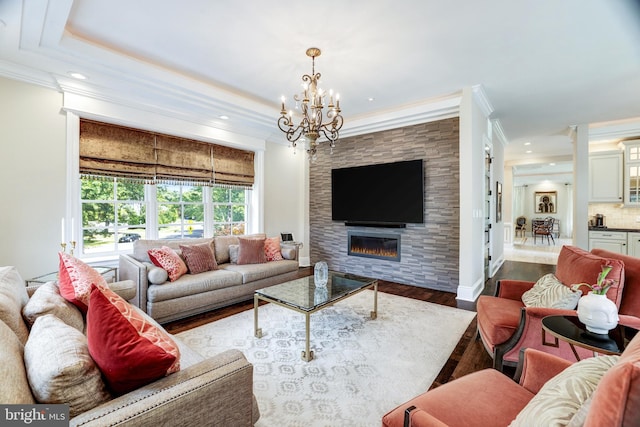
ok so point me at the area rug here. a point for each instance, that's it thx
(362, 367)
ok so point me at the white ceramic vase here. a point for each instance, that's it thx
(598, 313)
(321, 273)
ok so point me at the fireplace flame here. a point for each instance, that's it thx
(381, 252)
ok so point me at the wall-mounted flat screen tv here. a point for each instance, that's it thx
(385, 193)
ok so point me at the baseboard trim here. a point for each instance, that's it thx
(470, 293)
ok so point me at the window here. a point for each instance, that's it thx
(113, 214)
(180, 211)
(229, 211)
(117, 212)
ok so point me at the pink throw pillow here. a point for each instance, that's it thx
(129, 349)
(251, 251)
(272, 249)
(75, 279)
(167, 258)
(199, 257)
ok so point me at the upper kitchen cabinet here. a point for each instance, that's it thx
(605, 177)
(632, 172)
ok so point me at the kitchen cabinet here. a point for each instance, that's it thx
(606, 177)
(632, 173)
(633, 244)
(614, 241)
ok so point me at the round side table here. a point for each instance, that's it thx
(571, 330)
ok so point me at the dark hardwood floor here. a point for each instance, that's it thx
(468, 356)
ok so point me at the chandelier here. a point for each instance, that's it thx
(310, 104)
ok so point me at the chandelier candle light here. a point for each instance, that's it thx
(310, 104)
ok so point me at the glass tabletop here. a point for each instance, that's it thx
(52, 277)
(303, 293)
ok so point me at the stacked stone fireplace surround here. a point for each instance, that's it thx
(429, 251)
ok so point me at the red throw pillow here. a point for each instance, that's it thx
(75, 279)
(251, 251)
(272, 249)
(199, 257)
(128, 348)
(167, 258)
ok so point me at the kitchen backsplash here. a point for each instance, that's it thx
(615, 216)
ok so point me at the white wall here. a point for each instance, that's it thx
(286, 186)
(32, 172)
(563, 210)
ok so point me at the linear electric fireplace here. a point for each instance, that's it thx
(374, 245)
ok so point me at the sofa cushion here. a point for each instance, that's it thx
(141, 247)
(169, 260)
(221, 245)
(253, 272)
(498, 318)
(190, 284)
(549, 292)
(15, 386)
(199, 257)
(616, 401)
(630, 304)
(576, 265)
(562, 396)
(47, 300)
(13, 297)
(75, 280)
(272, 249)
(59, 367)
(130, 350)
(251, 251)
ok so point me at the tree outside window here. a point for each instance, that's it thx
(229, 211)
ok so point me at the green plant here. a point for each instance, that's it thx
(602, 283)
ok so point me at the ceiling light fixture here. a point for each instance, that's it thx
(223, 117)
(78, 76)
(310, 104)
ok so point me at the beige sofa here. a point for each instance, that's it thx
(213, 391)
(197, 293)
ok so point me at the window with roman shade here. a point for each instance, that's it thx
(114, 151)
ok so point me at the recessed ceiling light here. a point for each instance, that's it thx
(78, 76)
(527, 143)
(223, 117)
(528, 151)
(552, 164)
(371, 99)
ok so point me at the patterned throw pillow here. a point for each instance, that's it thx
(272, 249)
(563, 395)
(199, 257)
(251, 251)
(168, 259)
(59, 367)
(549, 292)
(129, 349)
(75, 279)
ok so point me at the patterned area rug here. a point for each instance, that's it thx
(362, 367)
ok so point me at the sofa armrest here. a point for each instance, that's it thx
(416, 417)
(218, 390)
(127, 289)
(539, 367)
(289, 251)
(513, 289)
(130, 268)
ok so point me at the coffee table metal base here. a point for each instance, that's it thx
(307, 353)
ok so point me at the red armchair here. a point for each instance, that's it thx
(489, 398)
(505, 325)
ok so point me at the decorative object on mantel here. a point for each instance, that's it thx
(310, 104)
(595, 310)
(321, 274)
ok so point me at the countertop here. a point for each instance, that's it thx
(628, 230)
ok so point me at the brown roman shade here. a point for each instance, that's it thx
(114, 151)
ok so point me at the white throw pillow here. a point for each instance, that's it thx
(563, 395)
(549, 292)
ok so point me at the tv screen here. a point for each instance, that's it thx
(382, 193)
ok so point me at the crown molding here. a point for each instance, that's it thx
(615, 130)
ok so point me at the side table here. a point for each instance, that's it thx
(573, 331)
(109, 274)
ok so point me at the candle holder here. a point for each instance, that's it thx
(63, 245)
(72, 248)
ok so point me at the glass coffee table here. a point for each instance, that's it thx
(302, 295)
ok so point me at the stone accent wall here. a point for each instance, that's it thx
(430, 251)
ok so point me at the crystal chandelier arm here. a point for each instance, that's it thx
(285, 125)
